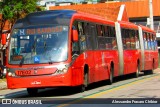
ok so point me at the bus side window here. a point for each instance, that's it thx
(106, 31)
(127, 37)
(148, 41)
(155, 42)
(89, 37)
(123, 38)
(137, 40)
(109, 37)
(100, 36)
(152, 42)
(99, 30)
(145, 41)
(133, 41)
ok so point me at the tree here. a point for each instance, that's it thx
(14, 9)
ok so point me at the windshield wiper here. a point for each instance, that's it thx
(21, 62)
(34, 46)
(50, 60)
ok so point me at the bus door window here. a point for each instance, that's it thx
(82, 38)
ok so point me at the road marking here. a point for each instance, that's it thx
(109, 90)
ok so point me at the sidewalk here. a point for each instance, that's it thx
(3, 84)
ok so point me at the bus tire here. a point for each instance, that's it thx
(32, 91)
(136, 74)
(151, 71)
(85, 82)
(111, 75)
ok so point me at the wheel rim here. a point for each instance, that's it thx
(137, 72)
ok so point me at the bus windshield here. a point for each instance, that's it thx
(34, 45)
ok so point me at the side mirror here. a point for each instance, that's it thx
(3, 39)
(75, 35)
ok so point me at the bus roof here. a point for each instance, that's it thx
(45, 18)
(93, 18)
(57, 16)
(144, 28)
(128, 25)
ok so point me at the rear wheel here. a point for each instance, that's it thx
(136, 74)
(32, 91)
(151, 71)
(111, 75)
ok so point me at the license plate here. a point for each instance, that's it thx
(23, 72)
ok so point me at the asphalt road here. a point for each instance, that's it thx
(124, 90)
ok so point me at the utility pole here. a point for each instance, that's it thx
(151, 14)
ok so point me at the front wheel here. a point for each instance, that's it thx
(85, 83)
(32, 91)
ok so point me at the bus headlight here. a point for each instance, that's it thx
(11, 74)
(61, 70)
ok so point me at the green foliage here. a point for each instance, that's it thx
(15, 9)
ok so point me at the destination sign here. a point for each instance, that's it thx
(45, 30)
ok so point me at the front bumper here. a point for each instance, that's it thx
(39, 81)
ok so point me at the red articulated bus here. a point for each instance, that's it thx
(71, 48)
